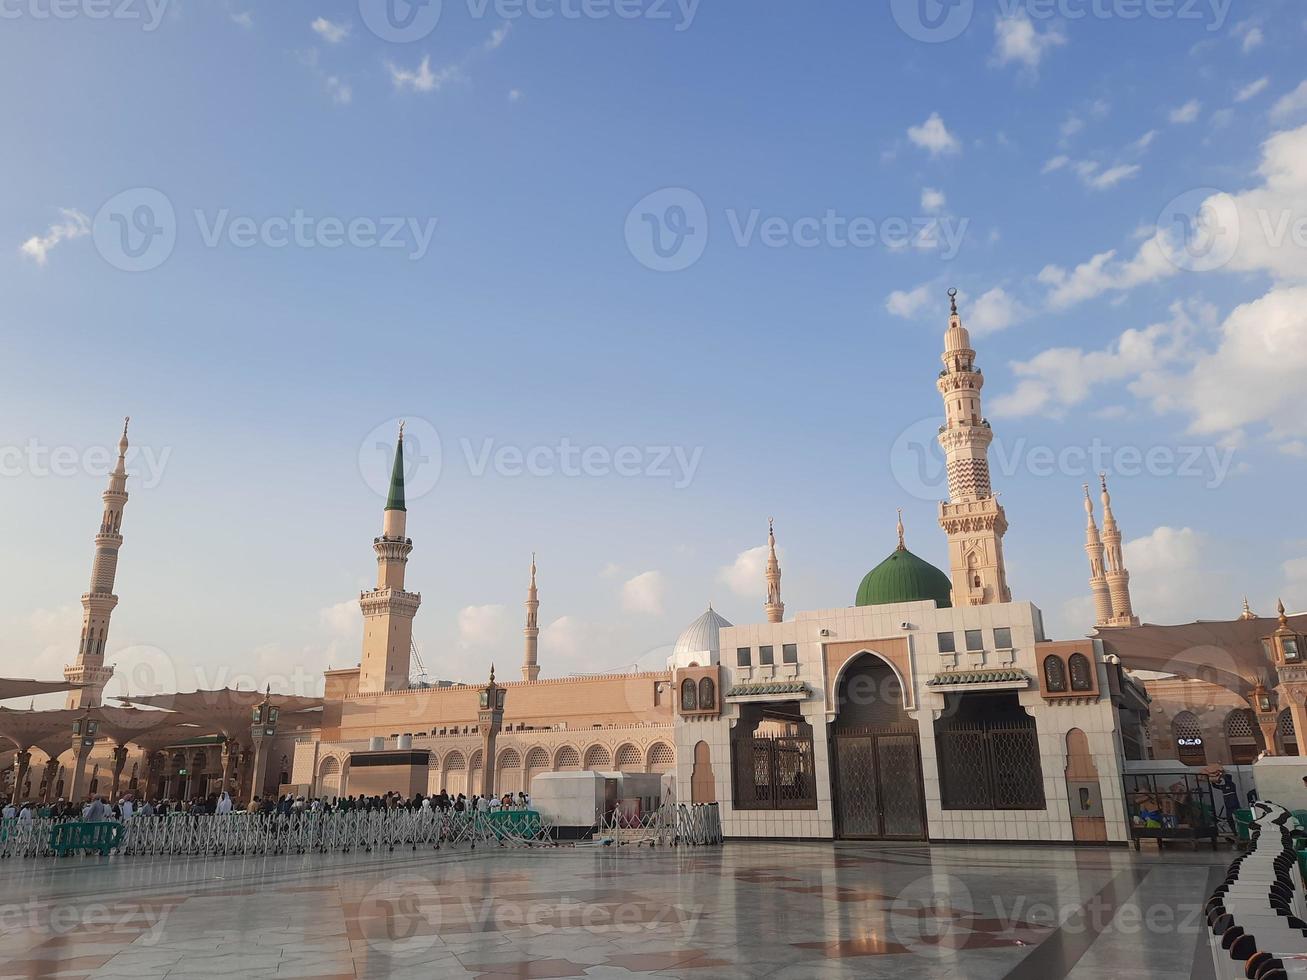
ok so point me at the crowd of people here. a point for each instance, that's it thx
(98, 808)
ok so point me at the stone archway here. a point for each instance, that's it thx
(877, 791)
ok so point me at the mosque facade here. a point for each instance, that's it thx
(933, 708)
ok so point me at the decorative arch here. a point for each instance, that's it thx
(905, 683)
(660, 758)
(455, 773)
(329, 776)
(1243, 735)
(508, 772)
(567, 758)
(703, 785)
(597, 757)
(628, 758)
(1286, 737)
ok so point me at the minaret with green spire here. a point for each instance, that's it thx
(388, 610)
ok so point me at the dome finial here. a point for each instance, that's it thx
(1247, 610)
(953, 300)
(902, 546)
(1284, 618)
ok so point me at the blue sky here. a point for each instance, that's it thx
(476, 254)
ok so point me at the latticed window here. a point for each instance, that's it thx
(1286, 723)
(988, 754)
(509, 759)
(1239, 723)
(661, 757)
(707, 694)
(1189, 747)
(1054, 674)
(628, 758)
(568, 758)
(537, 758)
(454, 762)
(596, 757)
(1082, 677)
(689, 696)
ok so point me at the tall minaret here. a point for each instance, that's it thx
(530, 663)
(774, 608)
(1097, 572)
(388, 610)
(1118, 579)
(972, 518)
(98, 604)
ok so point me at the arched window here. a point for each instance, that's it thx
(1054, 674)
(661, 757)
(596, 757)
(1082, 676)
(567, 758)
(1189, 747)
(707, 694)
(689, 696)
(628, 758)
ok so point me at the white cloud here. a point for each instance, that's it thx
(1103, 274)
(74, 225)
(746, 575)
(1187, 113)
(1073, 125)
(341, 93)
(1250, 36)
(480, 627)
(1055, 164)
(1174, 577)
(422, 78)
(1016, 39)
(343, 618)
(934, 137)
(243, 19)
(1102, 180)
(515, 95)
(1291, 104)
(932, 201)
(1144, 142)
(994, 311)
(499, 35)
(644, 593)
(908, 304)
(330, 31)
(1063, 377)
(1252, 89)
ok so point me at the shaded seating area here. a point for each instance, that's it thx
(1256, 916)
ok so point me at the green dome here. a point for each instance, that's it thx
(903, 577)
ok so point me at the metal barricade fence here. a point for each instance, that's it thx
(180, 834)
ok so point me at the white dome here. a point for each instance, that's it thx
(699, 642)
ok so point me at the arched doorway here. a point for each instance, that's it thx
(876, 756)
(1285, 735)
(1084, 791)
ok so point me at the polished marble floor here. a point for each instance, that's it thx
(803, 910)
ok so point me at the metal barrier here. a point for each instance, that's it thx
(354, 830)
(671, 824)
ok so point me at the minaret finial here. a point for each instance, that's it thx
(1284, 617)
(1247, 610)
(401, 430)
(953, 300)
(902, 545)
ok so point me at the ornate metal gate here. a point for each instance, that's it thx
(878, 793)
